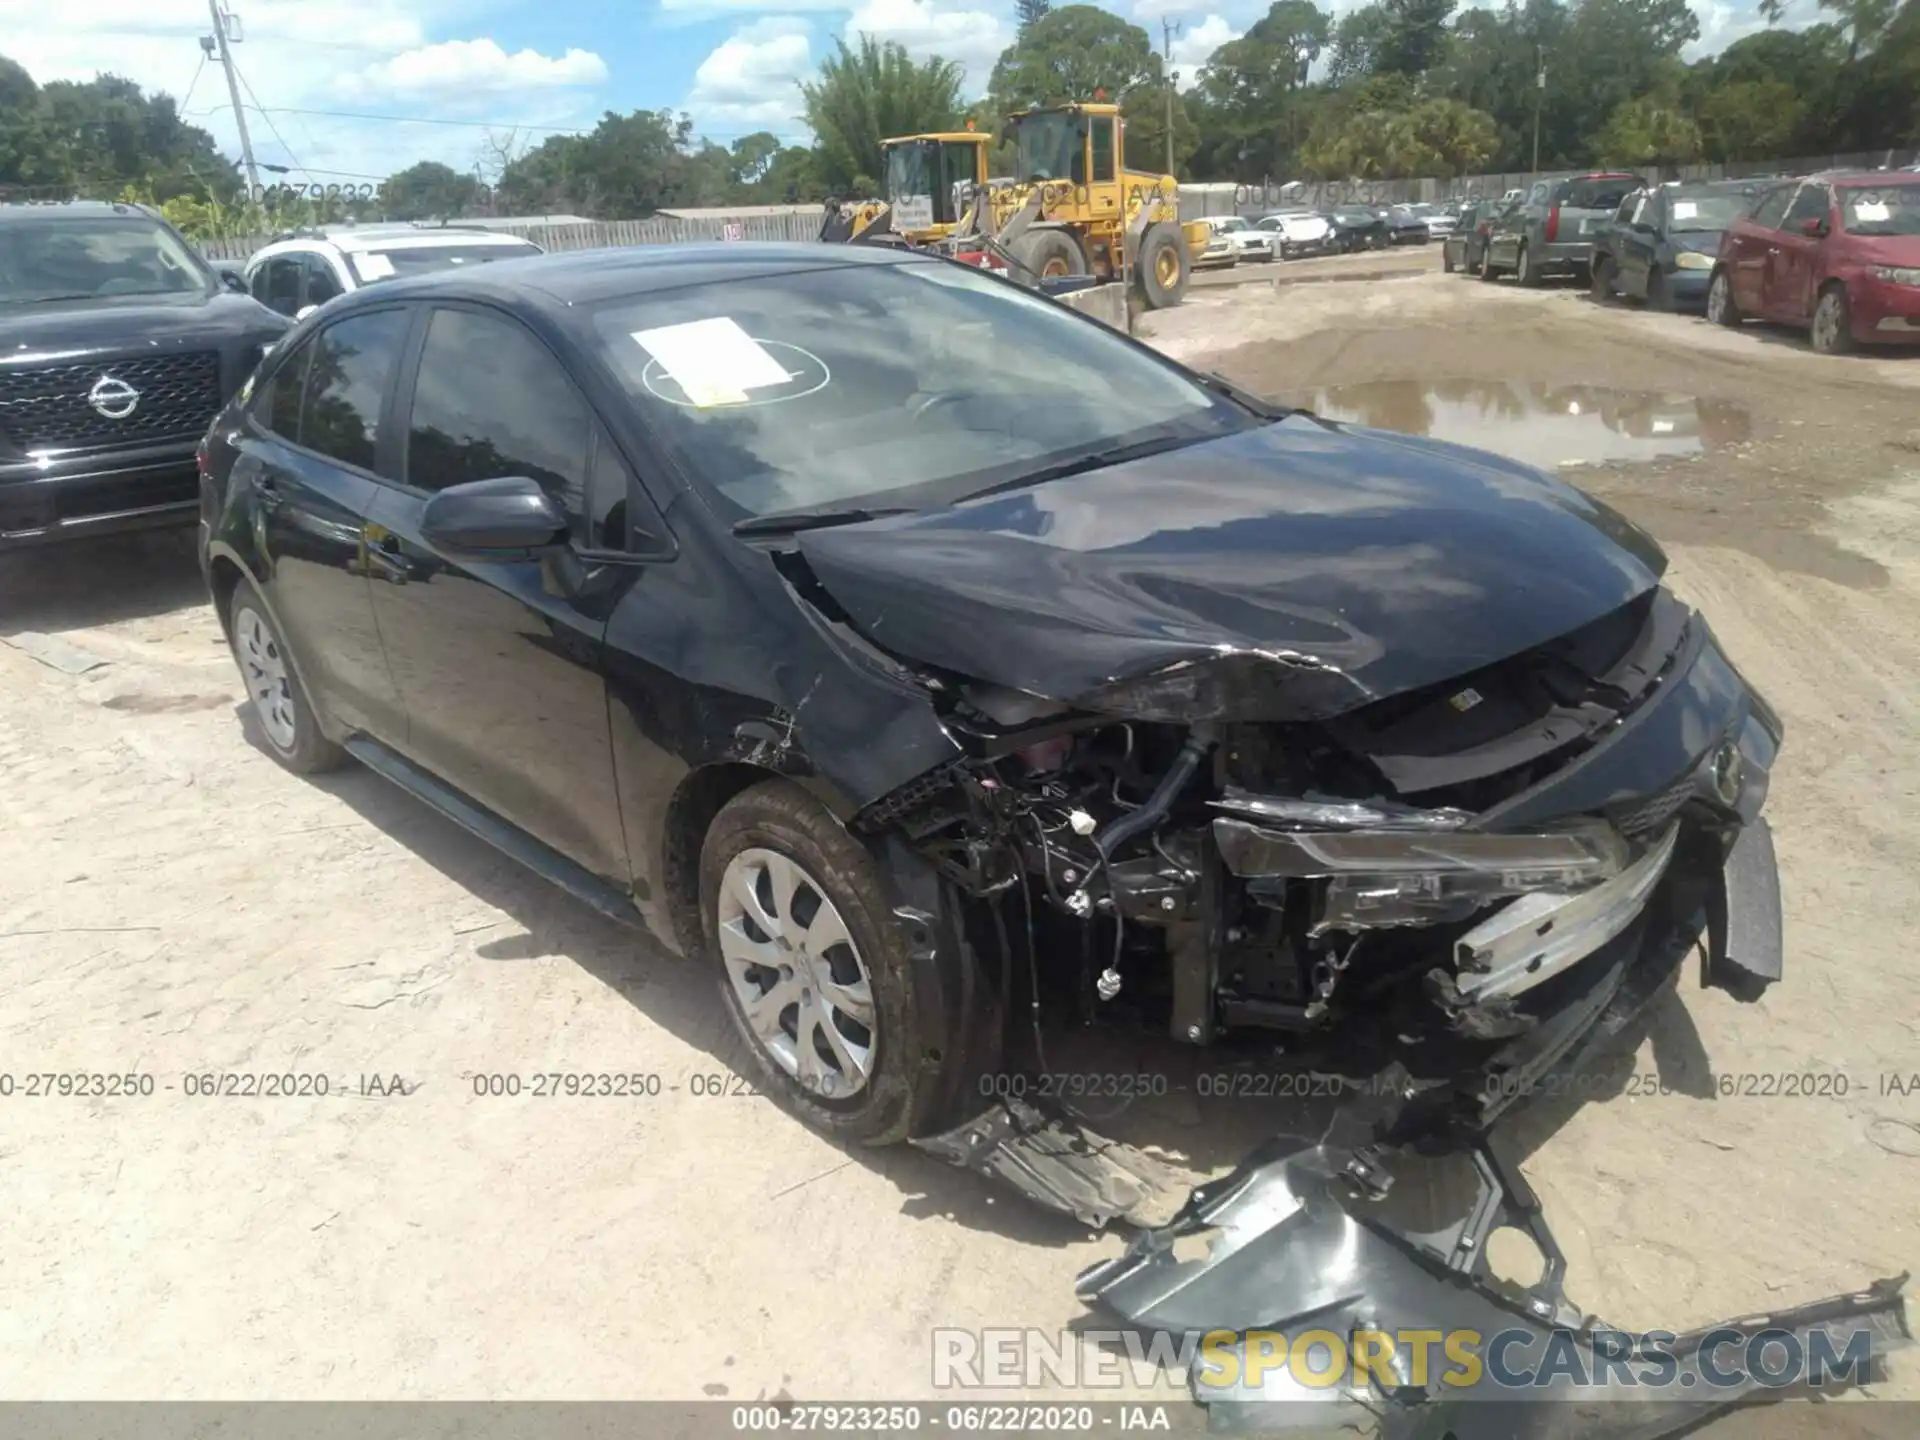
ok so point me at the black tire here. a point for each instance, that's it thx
(1601, 281)
(1659, 297)
(310, 752)
(1446, 259)
(1836, 339)
(1487, 270)
(1042, 250)
(1720, 307)
(1155, 292)
(1523, 268)
(903, 1087)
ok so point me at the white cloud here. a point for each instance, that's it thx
(1193, 47)
(974, 38)
(751, 80)
(475, 67)
(306, 55)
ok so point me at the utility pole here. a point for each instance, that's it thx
(1539, 94)
(1168, 29)
(233, 93)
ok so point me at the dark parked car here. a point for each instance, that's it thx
(1837, 254)
(907, 646)
(1550, 231)
(118, 344)
(1465, 247)
(1358, 227)
(1660, 245)
(1407, 225)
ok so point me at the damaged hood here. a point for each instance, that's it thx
(1396, 562)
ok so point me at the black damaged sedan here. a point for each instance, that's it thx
(910, 648)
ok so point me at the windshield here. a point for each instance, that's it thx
(372, 266)
(908, 172)
(891, 385)
(1232, 222)
(1881, 209)
(92, 258)
(1050, 146)
(1705, 210)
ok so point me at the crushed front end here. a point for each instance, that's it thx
(1454, 884)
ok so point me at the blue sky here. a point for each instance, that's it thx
(466, 73)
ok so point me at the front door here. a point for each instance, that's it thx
(1750, 247)
(499, 660)
(313, 442)
(1796, 263)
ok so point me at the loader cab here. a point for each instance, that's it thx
(929, 178)
(1075, 144)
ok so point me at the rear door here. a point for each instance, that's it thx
(1627, 245)
(499, 660)
(316, 437)
(1749, 247)
(1794, 265)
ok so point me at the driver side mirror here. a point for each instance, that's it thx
(502, 519)
(231, 279)
(1814, 228)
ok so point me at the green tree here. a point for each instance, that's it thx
(1750, 119)
(428, 190)
(1251, 94)
(626, 168)
(1357, 40)
(1412, 37)
(1146, 138)
(1650, 130)
(862, 96)
(1068, 54)
(1030, 11)
(102, 135)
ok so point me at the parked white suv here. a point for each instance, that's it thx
(306, 269)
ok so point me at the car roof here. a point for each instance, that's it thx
(353, 239)
(54, 210)
(577, 277)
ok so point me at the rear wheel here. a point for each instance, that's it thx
(286, 720)
(1523, 267)
(1049, 255)
(1720, 307)
(1603, 275)
(1487, 272)
(813, 968)
(1832, 332)
(1160, 270)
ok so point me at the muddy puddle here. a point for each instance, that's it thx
(1550, 426)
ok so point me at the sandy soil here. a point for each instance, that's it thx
(174, 905)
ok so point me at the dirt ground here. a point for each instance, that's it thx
(173, 905)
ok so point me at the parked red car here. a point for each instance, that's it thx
(1838, 254)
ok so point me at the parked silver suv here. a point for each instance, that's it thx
(1551, 231)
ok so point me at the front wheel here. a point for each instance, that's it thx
(813, 967)
(1720, 307)
(1487, 272)
(1161, 268)
(1446, 260)
(279, 701)
(1832, 332)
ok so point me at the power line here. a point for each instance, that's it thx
(432, 120)
(274, 129)
(219, 38)
(198, 71)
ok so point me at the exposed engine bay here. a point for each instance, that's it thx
(1399, 869)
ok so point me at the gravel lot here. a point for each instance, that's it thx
(175, 905)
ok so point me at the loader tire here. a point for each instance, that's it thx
(1048, 255)
(1161, 269)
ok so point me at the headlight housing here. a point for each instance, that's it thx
(1692, 260)
(1895, 274)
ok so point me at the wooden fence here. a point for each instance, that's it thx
(660, 230)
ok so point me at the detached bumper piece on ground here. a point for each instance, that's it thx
(1306, 1238)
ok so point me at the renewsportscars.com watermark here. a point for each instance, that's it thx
(1523, 1362)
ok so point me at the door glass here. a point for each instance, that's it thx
(322, 284)
(491, 401)
(1102, 150)
(353, 360)
(276, 402)
(1809, 204)
(1773, 207)
(281, 285)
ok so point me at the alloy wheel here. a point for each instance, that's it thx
(1829, 323)
(797, 974)
(1718, 299)
(268, 684)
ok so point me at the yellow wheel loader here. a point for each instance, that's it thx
(930, 179)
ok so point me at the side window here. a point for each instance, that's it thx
(1103, 149)
(490, 401)
(277, 285)
(1629, 208)
(1539, 194)
(1812, 203)
(1772, 208)
(353, 361)
(276, 400)
(322, 284)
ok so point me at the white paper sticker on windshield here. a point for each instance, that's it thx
(1685, 210)
(373, 265)
(1873, 212)
(714, 361)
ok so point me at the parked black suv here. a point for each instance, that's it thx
(118, 345)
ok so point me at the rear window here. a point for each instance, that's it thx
(1597, 192)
